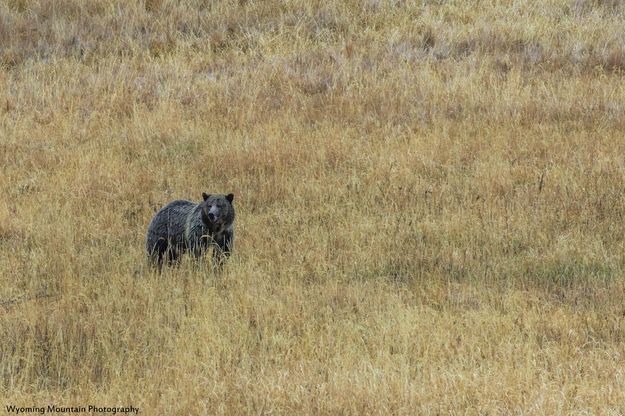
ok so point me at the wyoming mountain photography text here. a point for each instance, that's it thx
(50, 409)
(307, 207)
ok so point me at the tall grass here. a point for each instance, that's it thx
(429, 195)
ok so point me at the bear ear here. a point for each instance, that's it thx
(205, 196)
(230, 198)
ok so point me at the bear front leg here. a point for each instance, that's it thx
(222, 249)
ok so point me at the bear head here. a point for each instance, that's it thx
(217, 211)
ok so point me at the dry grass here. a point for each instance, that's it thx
(430, 205)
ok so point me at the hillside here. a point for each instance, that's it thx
(430, 205)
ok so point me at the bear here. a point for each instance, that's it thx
(184, 226)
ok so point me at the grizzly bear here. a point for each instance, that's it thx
(184, 226)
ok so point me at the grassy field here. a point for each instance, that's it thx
(430, 205)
